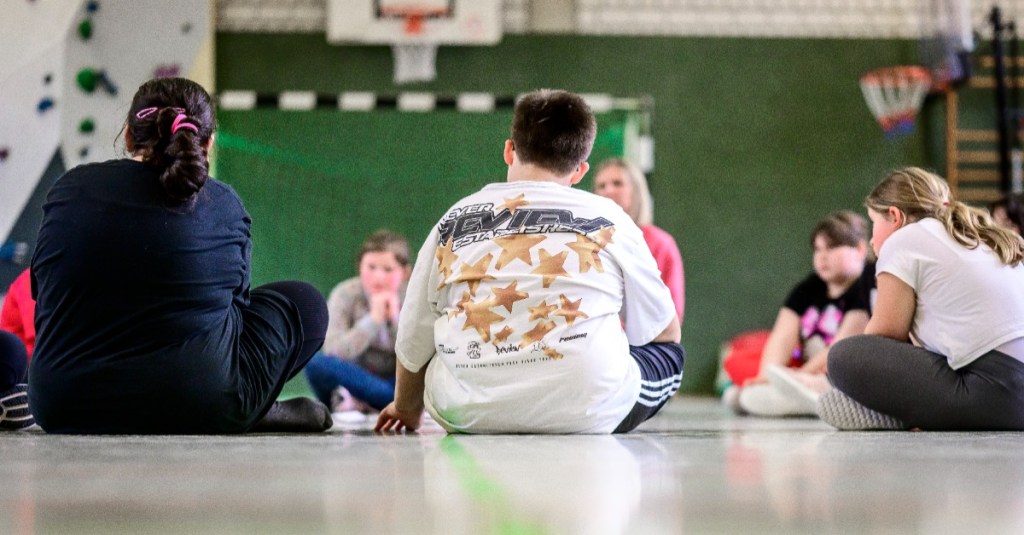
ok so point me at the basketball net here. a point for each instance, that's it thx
(414, 61)
(894, 95)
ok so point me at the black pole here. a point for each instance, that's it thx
(1001, 108)
(1014, 54)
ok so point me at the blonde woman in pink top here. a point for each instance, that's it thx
(624, 182)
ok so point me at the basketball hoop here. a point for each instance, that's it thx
(894, 95)
(415, 56)
(414, 15)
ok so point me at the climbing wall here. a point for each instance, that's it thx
(67, 75)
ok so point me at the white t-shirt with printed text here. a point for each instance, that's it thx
(523, 302)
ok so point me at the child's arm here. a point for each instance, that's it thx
(347, 336)
(672, 332)
(406, 411)
(894, 311)
(784, 338)
(854, 322)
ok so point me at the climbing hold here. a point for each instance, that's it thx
(85, 29)
(87, 126)
(166, 71)
(92, 6)
(15, 252)
(86, 79)
(45, 103)
(48, 78)
(4, 153)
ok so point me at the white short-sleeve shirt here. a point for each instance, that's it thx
(523, 302)
(968, 302)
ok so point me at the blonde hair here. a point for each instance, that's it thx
(641, 208)
(920, 194)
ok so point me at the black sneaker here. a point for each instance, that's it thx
(14, 411)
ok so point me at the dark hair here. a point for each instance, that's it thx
(842, 228)
(553, 129)
(386, 241)
(182, 153)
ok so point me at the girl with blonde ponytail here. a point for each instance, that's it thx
(944, 349)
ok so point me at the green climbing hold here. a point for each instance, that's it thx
(85, 29)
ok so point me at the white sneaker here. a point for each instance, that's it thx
(764, 399)
(790, 386)
(731, 399)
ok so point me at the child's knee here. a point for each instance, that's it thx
(843, 355)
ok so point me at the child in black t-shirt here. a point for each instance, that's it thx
(832, 303)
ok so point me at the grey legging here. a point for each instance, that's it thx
(918, 386)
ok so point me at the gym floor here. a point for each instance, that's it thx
(695, 468)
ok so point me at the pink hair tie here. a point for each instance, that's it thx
(146, 112)
(179, 123)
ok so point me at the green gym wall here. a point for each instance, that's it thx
(756, 140)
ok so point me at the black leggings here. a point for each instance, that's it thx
(661, 373)
(13, 361)
(312, 311)
(919, 388)
(312, 314)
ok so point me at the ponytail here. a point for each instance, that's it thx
(170, 128)
(185, 159)
(971, 227)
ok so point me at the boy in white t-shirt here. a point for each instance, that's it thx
(534, 307)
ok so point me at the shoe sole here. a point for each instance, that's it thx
(14, 410)
(842, 412)
(790, 386)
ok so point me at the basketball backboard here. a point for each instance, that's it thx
(395, 22)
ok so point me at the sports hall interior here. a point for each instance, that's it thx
(754, 126)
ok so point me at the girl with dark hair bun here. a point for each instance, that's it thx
(145, 318)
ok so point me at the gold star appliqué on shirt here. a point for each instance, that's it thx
(516, 246)
(551, 266)
(480, 317)
(460, 305)
(604, 236)
(508, 295)
(552, 354)
(587, 250)
(515, 202)
(536, 333)
(445, 260)
(570, 310)
(503, 335)
(474, 274)
(541, 311)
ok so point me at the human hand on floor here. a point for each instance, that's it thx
(393, 419)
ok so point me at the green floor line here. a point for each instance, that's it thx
(485, 492)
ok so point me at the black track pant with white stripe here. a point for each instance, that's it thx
(661, 372)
